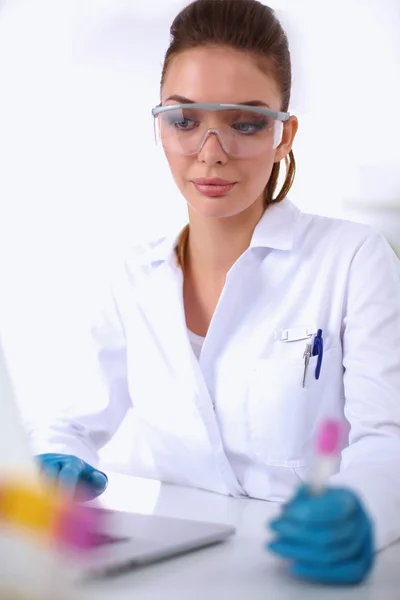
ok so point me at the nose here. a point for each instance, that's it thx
(211, 151)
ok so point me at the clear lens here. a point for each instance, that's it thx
(242, 133)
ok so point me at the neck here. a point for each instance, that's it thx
(214, 245)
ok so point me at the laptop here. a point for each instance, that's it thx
(126, 540)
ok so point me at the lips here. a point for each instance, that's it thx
(212, 181)
(213, 186)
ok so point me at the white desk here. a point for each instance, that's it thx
(239, 569)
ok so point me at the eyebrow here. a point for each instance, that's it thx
(183, 100)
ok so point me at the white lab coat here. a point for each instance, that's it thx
(238, 421)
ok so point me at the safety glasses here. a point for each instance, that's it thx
(243, 131)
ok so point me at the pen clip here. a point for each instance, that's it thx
(306, 356)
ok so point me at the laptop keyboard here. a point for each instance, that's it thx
(102, 539)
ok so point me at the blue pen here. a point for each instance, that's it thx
(318, 349)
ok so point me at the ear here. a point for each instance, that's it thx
(290, 128)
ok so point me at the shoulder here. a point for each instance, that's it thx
(340, 236)
(285, 227)
(334, 227)
(347, 250)
(136, 262)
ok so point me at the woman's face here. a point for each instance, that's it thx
(226, 76)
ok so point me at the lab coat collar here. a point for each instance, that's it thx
(275, 229)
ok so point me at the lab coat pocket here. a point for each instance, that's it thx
(282, 415)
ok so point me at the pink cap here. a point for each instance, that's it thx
(329, 437)
(78, 527)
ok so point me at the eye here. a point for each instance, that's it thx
(179, 121)
(184, 124)
(247, 128)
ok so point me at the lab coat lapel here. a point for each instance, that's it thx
(161, 304)
(261, 280)
(160, 301)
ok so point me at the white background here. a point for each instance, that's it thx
(80, 175)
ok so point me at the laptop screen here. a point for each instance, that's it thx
(15, 455)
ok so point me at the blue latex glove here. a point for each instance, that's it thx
(326, 538)
(75, 476)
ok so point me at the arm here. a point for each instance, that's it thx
(370, 465)
(99, 389)
(328, 537)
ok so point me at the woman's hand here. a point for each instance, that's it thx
(75, 476)
(327, 538)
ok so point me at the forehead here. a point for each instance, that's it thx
(220, 75)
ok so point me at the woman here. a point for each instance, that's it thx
(205, 334)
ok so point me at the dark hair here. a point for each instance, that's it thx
(248, 26)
